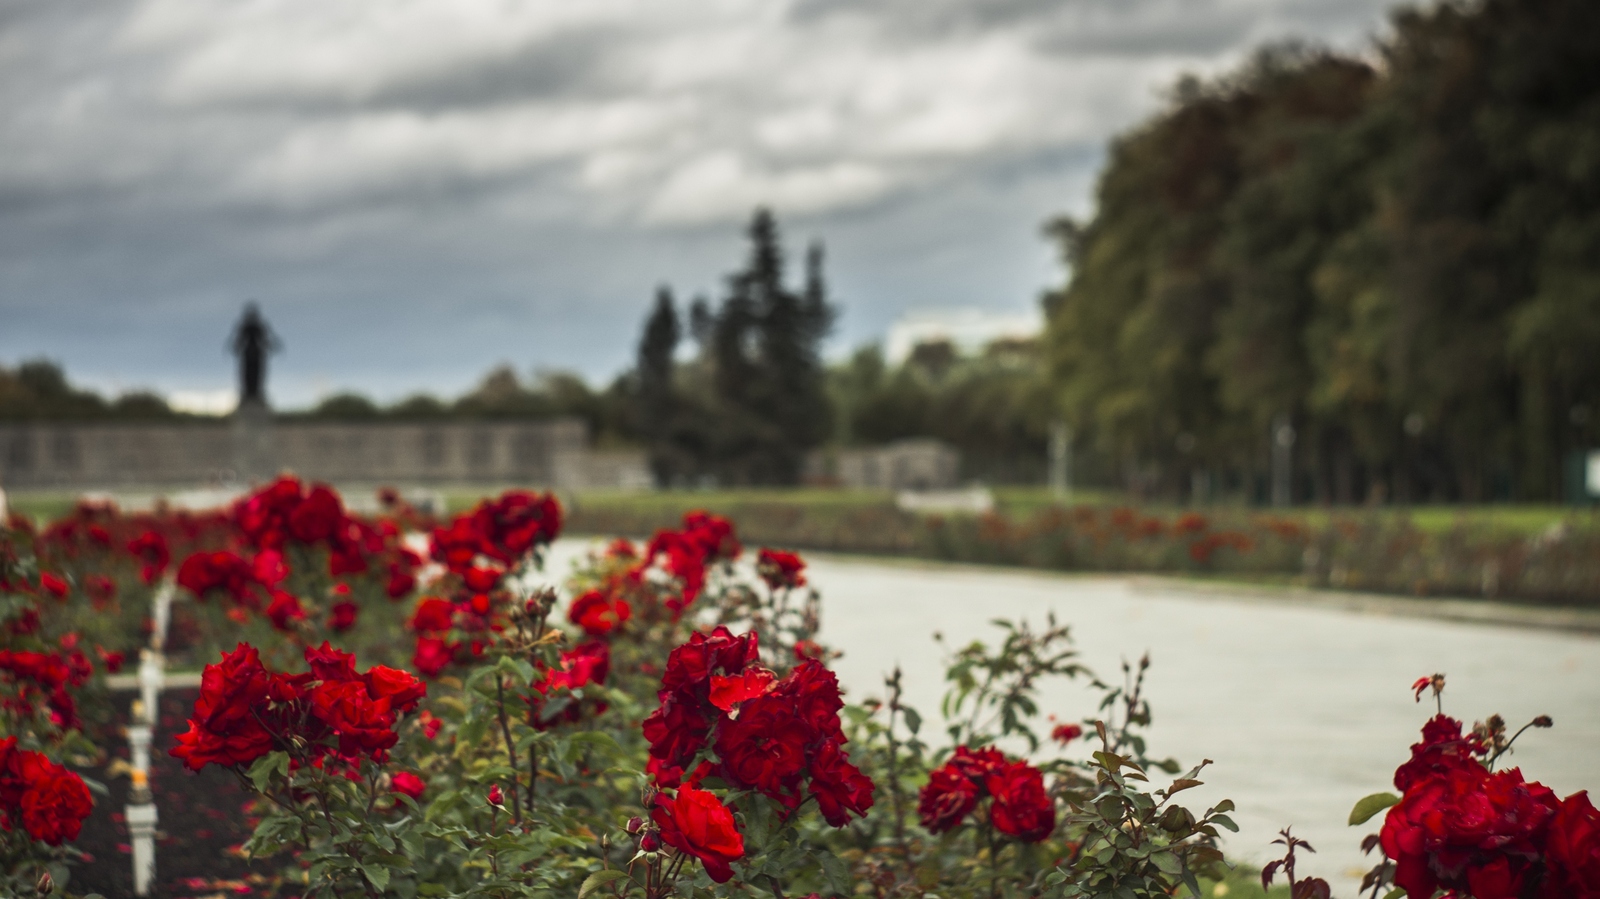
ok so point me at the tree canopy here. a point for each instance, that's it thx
(1400, 256)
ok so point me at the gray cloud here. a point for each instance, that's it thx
(416, 191)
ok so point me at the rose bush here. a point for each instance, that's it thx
(419, 713)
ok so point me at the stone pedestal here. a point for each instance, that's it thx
(254, 453)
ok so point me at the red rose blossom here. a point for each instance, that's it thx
(599, 614)
(781, 570)
(343, 616)
(408, 783)
(839, 786)
(1468, 830)
(697, 823)
(948, 798)
(1572, 851)
(1021, 808)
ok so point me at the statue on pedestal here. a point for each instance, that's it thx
(253, 341)
(253, 456)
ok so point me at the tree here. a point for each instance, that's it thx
(656, 400)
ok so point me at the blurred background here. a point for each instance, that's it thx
(1220, 255)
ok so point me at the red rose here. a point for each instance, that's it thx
(579, 667)
(690, 666)
(330, 664)
(1441, 750)
(1021, 808)
(203, 573)
(55, 801)
(712, 535)
(697, 823)
(516, 523)
(1467, 830)
(978, 764)
(1572, 851)
(226, 729)
(112, 660)
(765, 747)
(101, 589)
(399, 687)
(317, 518)
(430, 725)
(480, 579)
(432, 656)
(781, 570)
(285, 610)
(344, 616)
(53, 585)
(1066, 733)
(598, 614)
(409, 784)
(839, 786)
(815, 692)
(433, 616)
(361, 723)
(727, 692)
(401, 582)
(676, 730)
(151, 549)
(948, 798)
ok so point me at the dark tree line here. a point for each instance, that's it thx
(752, 401)
(1401, 259)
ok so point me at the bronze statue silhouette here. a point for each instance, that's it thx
(252, 342)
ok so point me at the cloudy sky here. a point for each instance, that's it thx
(416, 190)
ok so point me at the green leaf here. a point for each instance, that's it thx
(599, 879)
(261, 770)
(837, 873)
(378, 874)
(1371, 805)
(913, 719)
(1167, 862)
(1395, 893)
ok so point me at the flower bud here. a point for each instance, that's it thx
(46, 884)
(650, 842)
(1543, 721)
(496, 797)
(635, 824)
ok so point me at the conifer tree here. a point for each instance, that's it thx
(656, 400)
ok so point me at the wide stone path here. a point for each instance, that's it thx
(1303, 707)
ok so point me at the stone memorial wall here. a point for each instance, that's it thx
(248, 448)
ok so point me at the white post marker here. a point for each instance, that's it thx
(141, 811)
(141, 808)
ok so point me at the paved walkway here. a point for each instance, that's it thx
(1301, 699)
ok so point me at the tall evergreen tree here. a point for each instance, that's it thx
(657, 405)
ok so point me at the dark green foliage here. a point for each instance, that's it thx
(656, 405)
(38, 390)
(1403, 260)
(995, 407)
(754, 401)
(345, 407)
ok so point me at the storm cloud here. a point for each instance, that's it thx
(417, 190)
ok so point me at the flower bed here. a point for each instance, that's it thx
(414, 712)
(1348, 551)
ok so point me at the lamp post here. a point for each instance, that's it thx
(1283, 437)
(1061, 461)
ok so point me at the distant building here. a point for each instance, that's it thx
(917, 463)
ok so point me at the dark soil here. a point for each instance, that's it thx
(202, 820)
